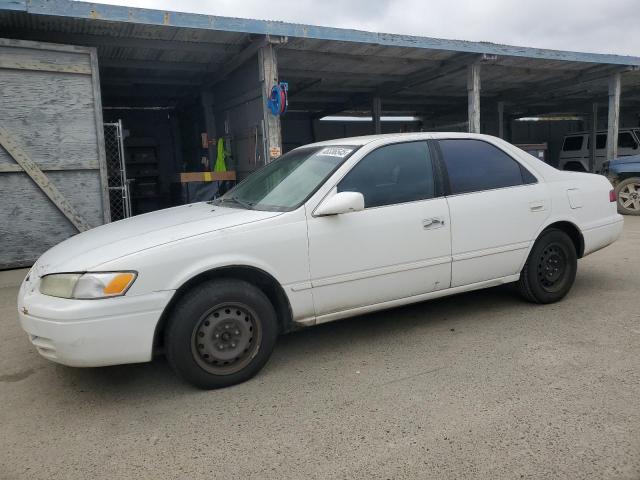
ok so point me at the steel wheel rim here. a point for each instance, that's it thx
(553, 267)
(629, 196)
(226, 338)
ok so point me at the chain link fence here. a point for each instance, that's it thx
(119, 199)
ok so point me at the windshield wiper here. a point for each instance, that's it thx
(236, 200)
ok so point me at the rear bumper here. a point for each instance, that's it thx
(600, 236)
(91, 333)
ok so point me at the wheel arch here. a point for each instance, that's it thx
(572, 230)
(256, 276)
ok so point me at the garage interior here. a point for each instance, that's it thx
(187, 87)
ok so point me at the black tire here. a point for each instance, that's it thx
(550, 270)
(220, 333)
(628, 193)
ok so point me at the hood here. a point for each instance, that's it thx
(623, 160)
(124, 237)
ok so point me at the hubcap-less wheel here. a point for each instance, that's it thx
(629, 197)
(226, 338)
(552, 267)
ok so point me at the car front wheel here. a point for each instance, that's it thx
(221, 333)
(628, 192)
(550, 270)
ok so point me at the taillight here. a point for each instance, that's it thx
(612, 196)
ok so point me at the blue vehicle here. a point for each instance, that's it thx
(624, 174)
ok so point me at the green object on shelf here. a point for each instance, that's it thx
(220, 165)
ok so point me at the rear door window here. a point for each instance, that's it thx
(626, 140)
(572, 144)
(474, 165)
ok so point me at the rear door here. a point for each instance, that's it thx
(497, 207)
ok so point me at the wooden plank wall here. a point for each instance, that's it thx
(50, 105)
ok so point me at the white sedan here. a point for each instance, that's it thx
(327, 231)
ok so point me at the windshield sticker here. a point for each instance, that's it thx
(335, 151)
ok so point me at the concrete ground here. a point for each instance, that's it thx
(480, 385)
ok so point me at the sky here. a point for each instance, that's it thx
(603, 26)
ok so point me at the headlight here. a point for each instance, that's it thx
(87, 285)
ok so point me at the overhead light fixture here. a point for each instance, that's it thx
(550, 118)
(337, 118)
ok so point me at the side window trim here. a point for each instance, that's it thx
(443, 172)
(440, 168)
(439, 190)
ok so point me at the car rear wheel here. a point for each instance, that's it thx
(628, 193)
(551, 268)
(221, 333)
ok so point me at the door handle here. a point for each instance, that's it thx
(537, 206)
(435, 222)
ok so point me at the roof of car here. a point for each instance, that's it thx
(363, 140)
(588, 132)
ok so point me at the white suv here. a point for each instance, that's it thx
(576, 149)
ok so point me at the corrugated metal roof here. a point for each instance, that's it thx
(171, 50)
(135, 21)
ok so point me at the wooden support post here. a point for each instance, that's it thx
(614, 116)
(501, 120)
(206, 99)
(473, 91)
(102, 156)
(376, 111)
(268, 70)
(592, 136)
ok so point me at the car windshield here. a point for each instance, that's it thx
(289, 181)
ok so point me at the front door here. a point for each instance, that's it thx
(398, 246)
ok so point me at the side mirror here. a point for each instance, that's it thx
(342, 202)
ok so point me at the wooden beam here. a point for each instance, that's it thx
(376, 113)
(187, 177)
(141, 80)
(594, 129)
(473, 91)
(338, 76)
(291, 55)
(99, 123)
(12, 147)
(298, 88)
(551, 90)
(16, 63)
(455, 65)
(15, 168)
(419, 77)
(204, 48)
(614, 116)
(268, 72)
(236, 61)
(133, 64)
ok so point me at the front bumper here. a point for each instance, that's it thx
(91, 333)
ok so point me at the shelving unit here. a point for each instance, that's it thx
(143, 172)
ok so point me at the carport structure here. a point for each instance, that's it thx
(151, 58)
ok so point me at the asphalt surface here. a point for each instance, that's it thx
(480, 385)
